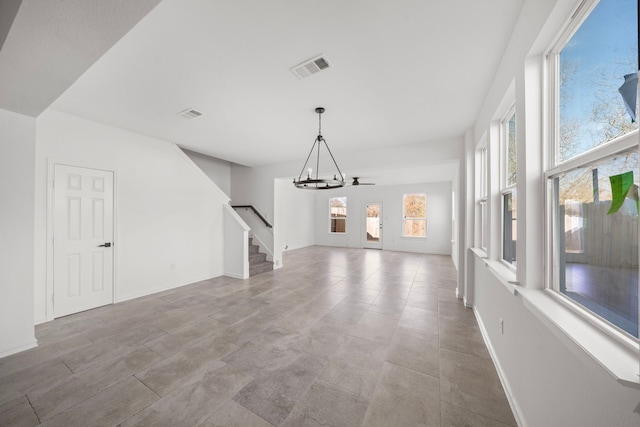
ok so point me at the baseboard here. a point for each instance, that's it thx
(513, 403)
(41, 320)
(167, 288)
(235, 275)
(18, 349)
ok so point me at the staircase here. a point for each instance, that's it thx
(257, 260)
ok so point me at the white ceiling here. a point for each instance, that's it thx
(402, 72)
(49, 44)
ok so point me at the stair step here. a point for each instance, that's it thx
(257, 258)
(262, 267)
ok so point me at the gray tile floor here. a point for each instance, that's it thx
(338, 337)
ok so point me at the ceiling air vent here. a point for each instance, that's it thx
(190, 113)
(311, 66)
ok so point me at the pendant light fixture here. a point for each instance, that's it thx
(314, 182)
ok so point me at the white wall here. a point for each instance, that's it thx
(295, 218)
(219, 171)
(236, 244)
(553, 382)
(438, 239)
(169, 217)
(17, 167)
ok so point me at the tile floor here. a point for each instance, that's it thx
(338, 337)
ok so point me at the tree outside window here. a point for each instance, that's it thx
(415, 215)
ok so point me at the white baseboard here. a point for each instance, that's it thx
(18, 349)
(162, 289)
(236, 275)
(513, 403)
(41, 320)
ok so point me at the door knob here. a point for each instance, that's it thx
(106, 245)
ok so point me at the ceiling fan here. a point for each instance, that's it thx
(357, 182)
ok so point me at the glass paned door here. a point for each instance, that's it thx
(373, 226)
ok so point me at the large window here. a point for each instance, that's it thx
(594, 256)
(509, 169)
(414, 214)
(338, 215)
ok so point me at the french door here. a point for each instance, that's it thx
(373, 226)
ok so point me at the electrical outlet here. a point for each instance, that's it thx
(501, 326)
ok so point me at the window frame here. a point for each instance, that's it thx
(554, 168)
(505, 187)
(405, 218)
(615, 147)
(483, 191)
(332, 218)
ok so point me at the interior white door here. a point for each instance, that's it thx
(373, 226)
(82, 239)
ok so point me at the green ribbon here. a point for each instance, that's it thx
(620, 185)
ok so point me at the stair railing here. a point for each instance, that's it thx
(261, 228)
(255, 211)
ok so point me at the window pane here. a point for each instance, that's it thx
(373, 223)
(338, 207)
(415, 205)
(596, 252)
(415, 228)
(483, 173)
(338, 225)
(592, 66)
(338, 214)
(509, 228)
(483, 225)
(511, 150)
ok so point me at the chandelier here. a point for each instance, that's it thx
(311, 182)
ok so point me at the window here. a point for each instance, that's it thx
(594, 253)
(414, 212)
(338, 215)
(589, 70)
(509, 167)
(482, 202)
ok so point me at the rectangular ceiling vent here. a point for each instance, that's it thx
(190, 113)
(311, 66)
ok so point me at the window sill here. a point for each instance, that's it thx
(480, 252)
(505, 274)
(618, 358)
(414, 237)
(617, 355)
